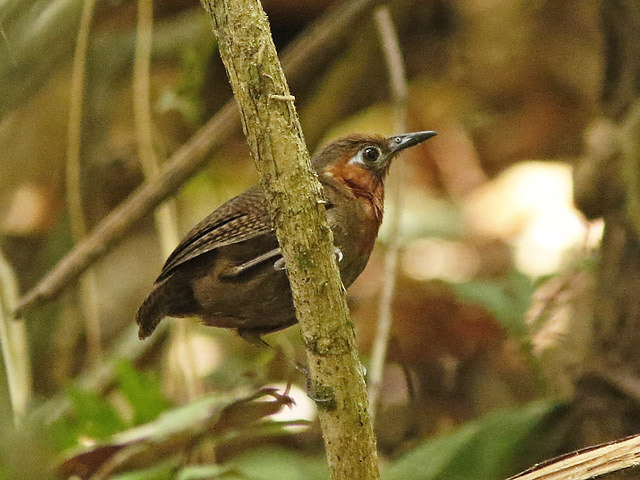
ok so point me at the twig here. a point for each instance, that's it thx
(588, 463)
(14, 345)
(186, 161)
(165, 215)
(88, 283)
(398, 87)
(74, 126)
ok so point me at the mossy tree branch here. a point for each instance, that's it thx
(294, 196)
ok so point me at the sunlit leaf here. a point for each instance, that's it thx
(186, 98)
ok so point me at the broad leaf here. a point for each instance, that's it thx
(480, 450)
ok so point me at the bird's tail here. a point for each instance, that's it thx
(151, 312)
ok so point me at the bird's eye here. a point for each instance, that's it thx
(371, 154)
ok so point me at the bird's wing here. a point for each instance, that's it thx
(241, 218)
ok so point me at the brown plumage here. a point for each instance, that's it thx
(228, 269)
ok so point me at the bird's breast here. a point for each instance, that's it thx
(355, 220)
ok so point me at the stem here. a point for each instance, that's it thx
(88, 283)
(398, 87)
(14, 345)
(165, 215)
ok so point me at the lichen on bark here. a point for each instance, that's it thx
(294, 197)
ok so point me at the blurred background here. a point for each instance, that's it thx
(515, 313)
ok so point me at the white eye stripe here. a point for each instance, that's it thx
(357, 158)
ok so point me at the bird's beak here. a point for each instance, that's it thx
(400, 142)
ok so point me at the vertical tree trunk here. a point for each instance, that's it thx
(607, 401)
(293, 193)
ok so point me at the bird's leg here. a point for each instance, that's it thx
(279, 264)
(254, 338)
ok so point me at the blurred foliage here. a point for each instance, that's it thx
(175, 432)
(185, 98)
(162, 471)
(93, 417)
(279, 463)
(503, 82)
(484, 449)
(142, 391)
(507, 299)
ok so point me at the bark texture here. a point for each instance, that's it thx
(607, 399)
(271, 125)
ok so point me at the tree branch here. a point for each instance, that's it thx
(294, 198)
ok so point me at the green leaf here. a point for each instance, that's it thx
(186, 98)
(179, 429)
(205, 472)
(94, 416)
(162, 471)
(142, 390)
(484, 449)
(276, 463)
(63, 433)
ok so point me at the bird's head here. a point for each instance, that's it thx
(363, 159)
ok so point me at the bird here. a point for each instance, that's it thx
(228, 269)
